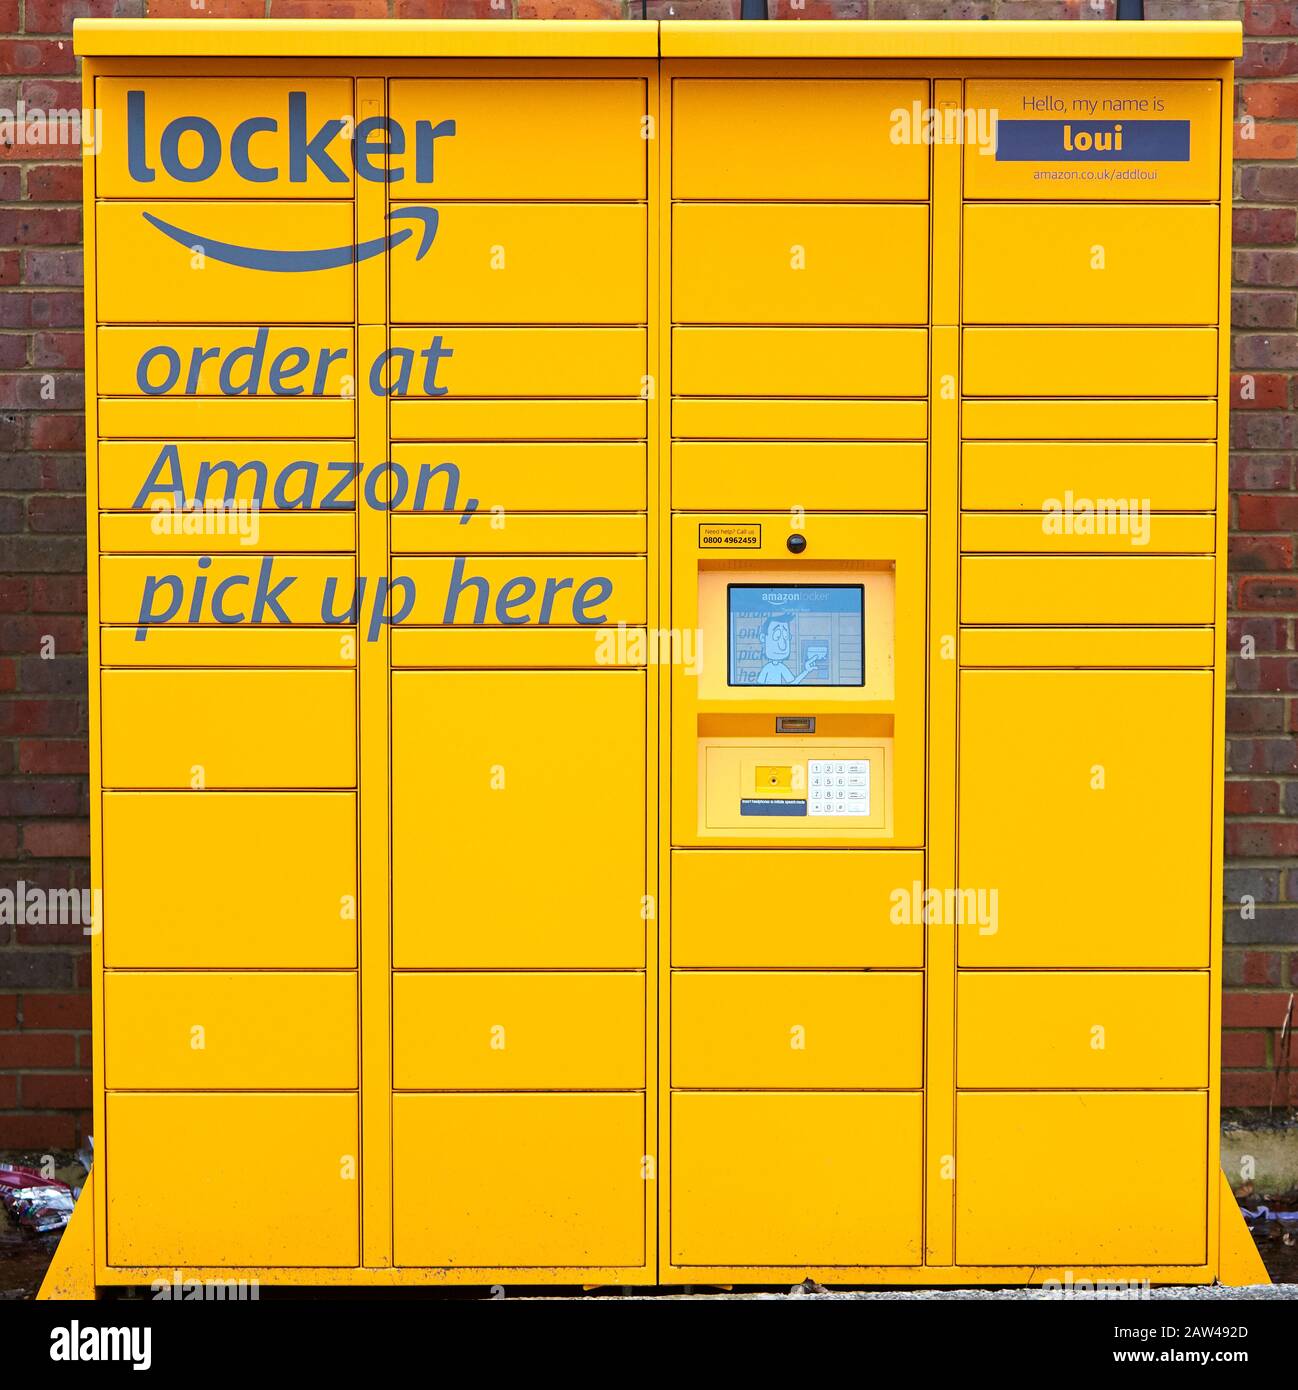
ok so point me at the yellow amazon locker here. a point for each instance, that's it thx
(657, 663)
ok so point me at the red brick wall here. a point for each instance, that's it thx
(44, 1006)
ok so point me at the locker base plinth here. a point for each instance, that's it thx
(71, 1275)
(1240, 1264)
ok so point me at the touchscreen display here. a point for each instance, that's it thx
(797, 634)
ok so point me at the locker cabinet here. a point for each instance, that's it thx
(657, 642)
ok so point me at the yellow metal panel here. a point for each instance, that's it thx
(134, 587)
(229, 729)
(507, 1031)
(584, 138)
(777, 419)
(1093, 263)
(1086, 646)
(297, 880)
(1063, 166)
(526, 263)
(1084, 1030)
(962, 39)
(798, 1028)
(518, 533)
(501, 420)
(734, 908)
(524, 647)
(522, 361)
(776, 477)
(1115, 526)
(1027, 476)
(1054, 850)
(518, 1181)
(236, 417)
(746, 138)
(523, 754)
(523, 38)
(587, 591)
(528, 477)
(232, 531)
(1090, 361)
(211, 1209)
(796, 1179)
(229, 646)
(228, 470)
(225, 104)
(799, 361)
(146, 275)
(1104, 1155)
(813, 263)
(1087, 589)
(292, 362)
(244, 1031)
(1191, 419)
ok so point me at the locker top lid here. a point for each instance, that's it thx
(526, 38)
(951, 39)
(353, 38)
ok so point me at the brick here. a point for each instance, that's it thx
(1259, 391)
(57, 514)
(67, 594)
(52, 267)
(39, 1132)
(1260, 840)
(25, 970)
(56, 16)
(1270, 18)
(206, 9)
(66, 350)
(1265, 140)
(453, 9)
(31, 1051)
(1261, 553)
(41, 796)
(338, 9)
(570, 9)
(1263, 430)
(1268, 60)
(8, 1011)
(62, 183)
(1266, 351)
(52, 756)
(36, 56)
(57, 839)
(1269, 183)
(39, 226)
(1254, 1010)
(59, 432)
(48, 717)
(1263, 885)
(1268, 926)
(1239, 1049)
(1263, 309)
(1266, 513)
(1248, 714)
(70, 1011)
(1253, 798)
(1256, 472)
(1266, 267)
(1265, 226)
(52, 1091)
(1271, 99)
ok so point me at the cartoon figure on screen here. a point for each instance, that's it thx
(776, 637)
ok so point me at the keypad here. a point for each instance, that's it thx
(838, 787)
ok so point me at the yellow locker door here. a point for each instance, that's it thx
(518, 804)
(523, 1181)
(1124, 1173)
(1084, 808)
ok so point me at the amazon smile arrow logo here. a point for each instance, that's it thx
(327, 258)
